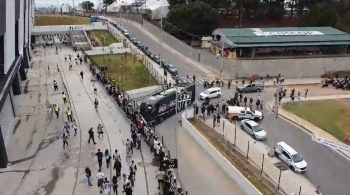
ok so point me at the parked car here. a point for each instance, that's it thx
(239, 113)
(248, 88)
(214, 92)
(171, 69)
(253, 129)
(290, 157)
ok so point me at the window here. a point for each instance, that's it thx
(286, 154)
(16, 39)
(213, 92)
(242, 112)
(248, 125)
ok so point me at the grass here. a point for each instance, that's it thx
(109, 38)
(236, 162)
(330, 115)
(51, 20)
(127, 72)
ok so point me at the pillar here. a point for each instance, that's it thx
(22, 73)
(3, 153)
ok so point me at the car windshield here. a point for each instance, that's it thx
(206, 92)
(257, 128)
(172, 67)
(297, 158)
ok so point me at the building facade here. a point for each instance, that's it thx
(16, 24)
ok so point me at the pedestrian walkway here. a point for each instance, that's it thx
(198, 81)
(290, 182)
(38, 162)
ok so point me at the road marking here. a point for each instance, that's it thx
(198, 81)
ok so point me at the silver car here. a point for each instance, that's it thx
(253, 129)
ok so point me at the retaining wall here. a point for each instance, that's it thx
(216, 155)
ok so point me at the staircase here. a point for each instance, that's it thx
(79, 40)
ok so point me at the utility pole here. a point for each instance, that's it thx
(239, 34)
(73, 13)
(161, 42)
(222, 58)
(276, 107)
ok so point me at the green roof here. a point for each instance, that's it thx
(290, 36)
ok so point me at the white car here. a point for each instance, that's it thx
(291, 157)
(214, 92)
(253, 129)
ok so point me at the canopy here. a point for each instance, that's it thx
(114, 7)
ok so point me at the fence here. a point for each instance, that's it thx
(196, 55)
(235, 139)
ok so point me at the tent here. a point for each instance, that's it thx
(114, 7)
(159, 12)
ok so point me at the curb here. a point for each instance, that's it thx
(306, 129)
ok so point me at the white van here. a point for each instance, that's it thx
(292, 158)
(214, 92)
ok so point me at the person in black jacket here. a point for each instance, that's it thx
(115, 184)
(91, 136)
(117, 166)
(88, 175)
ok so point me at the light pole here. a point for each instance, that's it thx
(276, 107)
(161, 41)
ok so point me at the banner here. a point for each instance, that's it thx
(332, 144)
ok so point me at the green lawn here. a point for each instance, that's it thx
(109, 38)
(50, 20)
(127, 72)
(330, 115)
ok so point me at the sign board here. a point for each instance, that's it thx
(169, 164)
(332, 144)
(287, 33)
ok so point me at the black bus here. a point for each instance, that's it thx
(156, 108)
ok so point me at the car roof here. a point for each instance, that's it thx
(251, 122)
(290, 150)
(214, 88)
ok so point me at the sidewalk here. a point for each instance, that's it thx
(309, 127)
(39, 164)
(290, 181)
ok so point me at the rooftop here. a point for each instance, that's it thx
(289, 36)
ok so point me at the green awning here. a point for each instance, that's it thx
(292, 44)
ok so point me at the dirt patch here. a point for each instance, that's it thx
(51, 185)
(236, 159)
(94, 40)
(25, 90)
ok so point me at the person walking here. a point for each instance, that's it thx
(65, 142)
(132, 170)
(88, 175)
(57, 110)
(299, 93)
(81, 75)
(138, 139)
(115, 185)
(100, 131)
(69, 115)
(75, 127)
(107, 158)
(173, 188)
(106, 187)
(128, 189)
(117, 167)
(66, 127)
(91, 136)
(245, 99)
(64, 97)
(55, 86)
(128, 156)
(100, 177)
(306, 91)
(218, 117)
(160, 177)
(99, 155)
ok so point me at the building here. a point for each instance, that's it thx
(16, 24)
(280, 42)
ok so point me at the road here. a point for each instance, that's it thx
(326, 167)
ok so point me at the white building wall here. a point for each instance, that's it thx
(9, 36)
(31, 18)
(26, 20)
(21, 28)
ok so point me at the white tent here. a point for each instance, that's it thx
(159, 12)
(114, 7)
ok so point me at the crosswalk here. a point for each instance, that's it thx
(199, 81)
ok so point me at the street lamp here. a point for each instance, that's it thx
(276, 107)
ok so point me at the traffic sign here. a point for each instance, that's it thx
(169, 164)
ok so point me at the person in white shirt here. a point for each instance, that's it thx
(100, 177)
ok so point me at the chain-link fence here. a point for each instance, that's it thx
(234, 140)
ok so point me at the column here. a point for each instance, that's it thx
(22, 73)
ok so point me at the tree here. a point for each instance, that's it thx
(87, 5)
(196, 18)
(172, 3)
(107, 3)
(322, 14)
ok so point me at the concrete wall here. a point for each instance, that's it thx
(216, 155)
(60, 29)
(102, 50)
(289, 68)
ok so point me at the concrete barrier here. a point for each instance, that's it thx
(217, 156)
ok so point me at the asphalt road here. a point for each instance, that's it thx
(326, 167)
